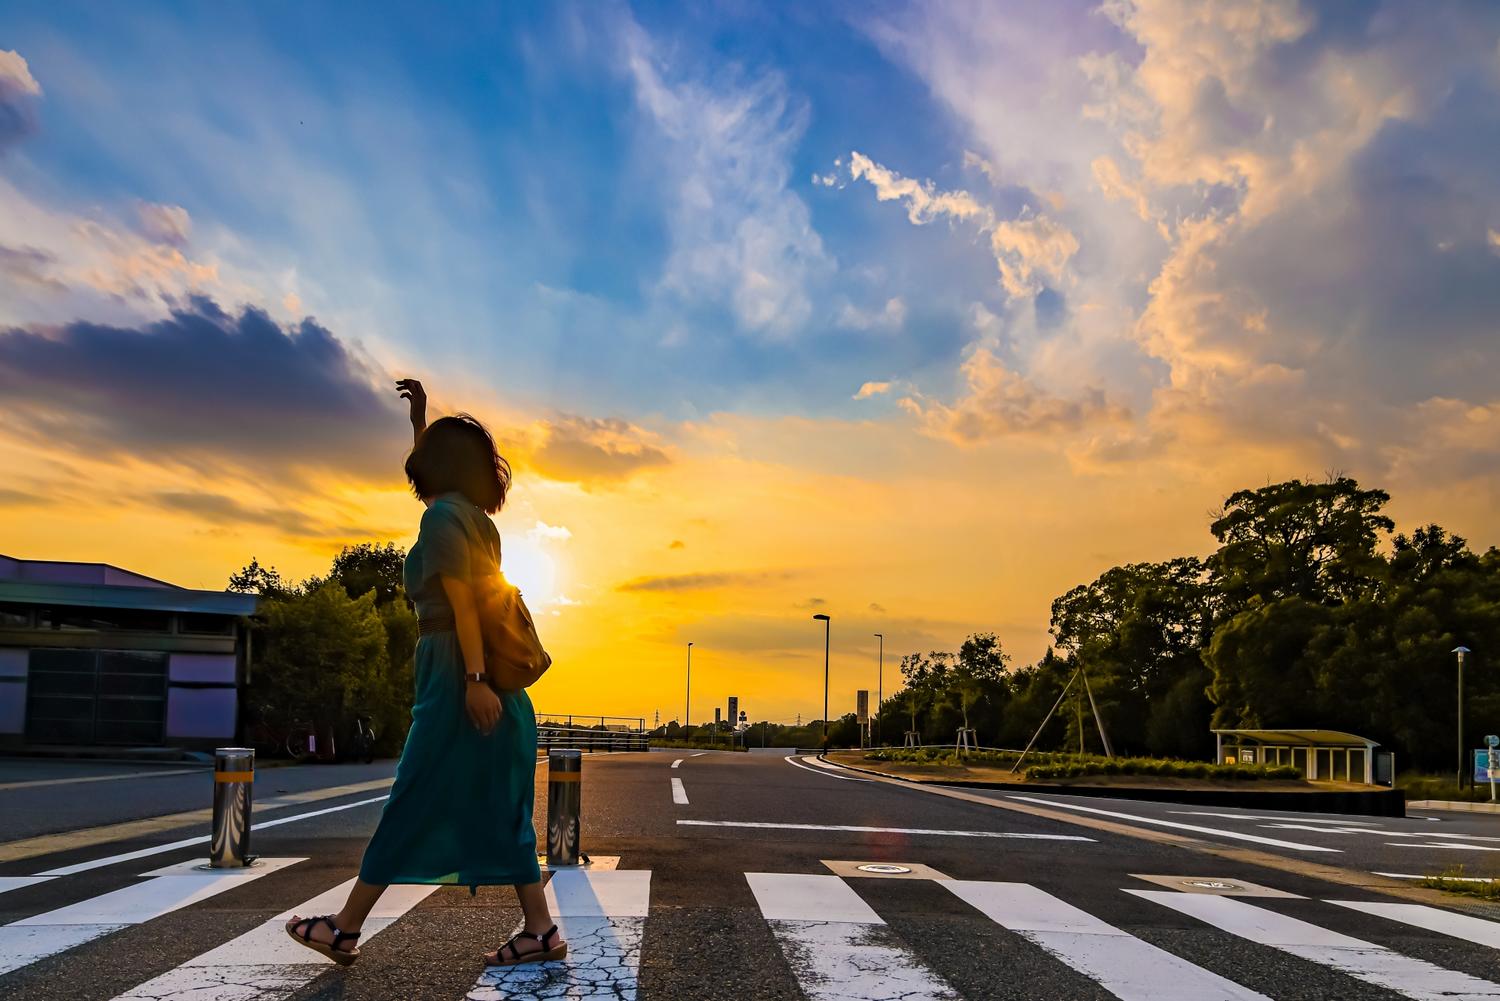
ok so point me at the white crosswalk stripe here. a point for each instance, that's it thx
(1121, 963)
(172, 888)
(265, 964)
(602, 914)
(835, 943)
(1374, 964)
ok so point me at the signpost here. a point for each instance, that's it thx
(862, 713)
(1490, 762)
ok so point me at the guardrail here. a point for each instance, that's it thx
(590, 732)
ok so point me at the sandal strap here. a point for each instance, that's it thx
(304, 928)
(516, 954)
(549, 933)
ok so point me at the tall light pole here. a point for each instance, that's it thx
(1461, 651)
(687, 712)
(827, 628)
(879, 687)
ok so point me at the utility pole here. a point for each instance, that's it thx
(687, 713)
(879, 688)
(1462, 651)
(827, 629)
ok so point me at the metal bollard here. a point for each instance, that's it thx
(234, 776)
(564, 794)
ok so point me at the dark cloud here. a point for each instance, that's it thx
(19, 498)
(702, 581)
(219, 509)
(876, 608)
(585, 449)
(677, 544)
(206, 389)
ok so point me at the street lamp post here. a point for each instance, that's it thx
(879, 687)
(827, 628)
(687, 712)
(1461, 651)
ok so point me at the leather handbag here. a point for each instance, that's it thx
(513, 654)
(514, 657)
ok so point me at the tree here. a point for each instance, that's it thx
(366, 567)
(1313, 541)
(256, 579)
(324, 655)
(978, 672)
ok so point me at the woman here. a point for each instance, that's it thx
(460, 808)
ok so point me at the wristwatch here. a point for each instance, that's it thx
(481, 678)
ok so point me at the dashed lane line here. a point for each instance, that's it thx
(679, 792)
(76, 779)
(677, 763)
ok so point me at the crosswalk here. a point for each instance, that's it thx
(831, 937)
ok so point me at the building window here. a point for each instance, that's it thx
(94, 620)
(206, 625)
(15, 617)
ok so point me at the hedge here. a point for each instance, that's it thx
(1051, 765)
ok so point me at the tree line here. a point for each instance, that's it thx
(1311, 613)
(330, 648)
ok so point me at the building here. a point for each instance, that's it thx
(1321, 755)
(92, 654)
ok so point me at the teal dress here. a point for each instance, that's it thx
(460, 808)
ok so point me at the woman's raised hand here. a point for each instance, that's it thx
(483, 706)
(412, 391)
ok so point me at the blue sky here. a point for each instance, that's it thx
(937, 307)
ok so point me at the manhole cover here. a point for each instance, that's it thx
(884, 869)
(1211, 884)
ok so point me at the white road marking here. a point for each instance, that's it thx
(835, 943)
(1234, 835)
(1441, 844)
(1379, 832)
(679, 792)
(829, 766)
(817, 771)
(1119, 962)
(1464, 926)
(41, 935)
(698, 755)
(264, 964)
(677, 763)
(1454, 879)
(99, 863)
(16, 882)
(124, 776)
(1341, 821)
(603, 917)
(881, 830)
(1374, 964)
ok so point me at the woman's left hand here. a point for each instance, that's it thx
(483, 706)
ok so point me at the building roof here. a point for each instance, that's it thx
(100, 585)
(1302, 738)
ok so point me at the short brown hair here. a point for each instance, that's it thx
(457, 454)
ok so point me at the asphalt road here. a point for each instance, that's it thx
(722, 876)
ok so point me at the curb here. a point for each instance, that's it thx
(1453, 806)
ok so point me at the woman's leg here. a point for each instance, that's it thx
(538, 918)
(362, 898)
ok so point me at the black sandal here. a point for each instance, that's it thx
(545, 954)
(301, 933)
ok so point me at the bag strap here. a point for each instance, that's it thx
(478, 538)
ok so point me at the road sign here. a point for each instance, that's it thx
(1492, 741)
(862, 705)
(734, 709)
(1482, 765)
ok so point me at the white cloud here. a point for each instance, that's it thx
(164, 223)
(739, 234)
(542, 531)
(891, 316)
(870, 389)
(1026, 249)
(15, 75)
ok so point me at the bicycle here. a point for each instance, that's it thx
(364, 739)
(302, 741)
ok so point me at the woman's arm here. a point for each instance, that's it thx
(480, 700)
(411, 389)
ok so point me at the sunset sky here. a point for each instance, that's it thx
(917, 315)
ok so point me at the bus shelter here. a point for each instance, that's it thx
(1321, 755)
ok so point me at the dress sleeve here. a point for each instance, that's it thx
(445, 544)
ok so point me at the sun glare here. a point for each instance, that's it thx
(531, 569)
